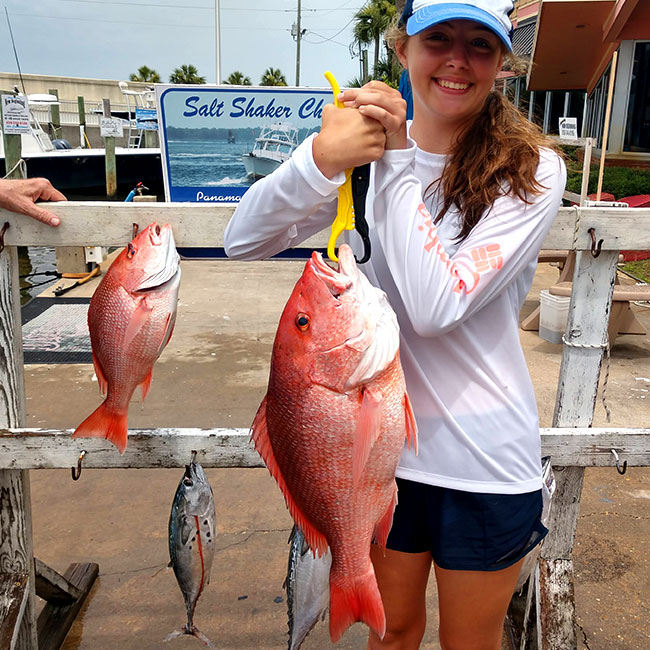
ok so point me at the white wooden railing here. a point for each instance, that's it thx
(571, 442)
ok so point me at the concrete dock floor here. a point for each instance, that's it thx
(214, 373)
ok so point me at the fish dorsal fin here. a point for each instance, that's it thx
(262, 441)
(367, 431)
(411, 425)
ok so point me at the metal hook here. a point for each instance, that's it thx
(76, 472)
(618, 466)
(595, 249)
(194, 455)
(2, 236)
(135, 230)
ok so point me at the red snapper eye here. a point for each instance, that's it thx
(302, 322)
(131, 250)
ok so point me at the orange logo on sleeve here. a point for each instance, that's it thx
(487, 257)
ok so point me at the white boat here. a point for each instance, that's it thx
(78, 169)
(274, 145)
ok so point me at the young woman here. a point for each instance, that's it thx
(459, 204)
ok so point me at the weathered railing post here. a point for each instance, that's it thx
(16, 549)
(593, 284)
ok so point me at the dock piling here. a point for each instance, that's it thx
(109, 149)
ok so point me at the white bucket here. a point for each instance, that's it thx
(553, 315)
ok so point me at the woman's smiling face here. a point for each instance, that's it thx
(452, 67)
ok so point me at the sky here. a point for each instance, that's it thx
(110, 40)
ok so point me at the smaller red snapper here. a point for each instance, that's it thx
(131, 318)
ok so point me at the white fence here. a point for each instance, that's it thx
(571, 442)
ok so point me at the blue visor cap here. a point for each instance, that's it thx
(433, 14)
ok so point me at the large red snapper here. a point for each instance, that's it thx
(332, 426)
(131, 318)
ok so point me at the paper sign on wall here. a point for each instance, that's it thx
(111, 127)
(15, 114)
(569, 128)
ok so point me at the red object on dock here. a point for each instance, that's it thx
(638, 201)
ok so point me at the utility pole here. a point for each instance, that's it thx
(298, 38)
(217, 39)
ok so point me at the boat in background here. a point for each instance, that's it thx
(80, 170)
(274, 145)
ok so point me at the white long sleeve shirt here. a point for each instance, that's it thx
(457, 303)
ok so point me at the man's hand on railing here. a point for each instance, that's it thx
(21, 196)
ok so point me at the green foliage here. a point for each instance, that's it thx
(389, 71)
(639, 269)
(619, 181)
(146, 74)
(356, 82)
(273, 77)
(372, 20)
(186, 74)
(238, 78)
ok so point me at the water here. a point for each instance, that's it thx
(31, 261)
(195, 163)
(39, 259)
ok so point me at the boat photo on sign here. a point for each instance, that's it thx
(217, 141)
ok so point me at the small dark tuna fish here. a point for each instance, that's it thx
(192, 529)
(307, 585)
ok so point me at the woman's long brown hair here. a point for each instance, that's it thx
(496, 155)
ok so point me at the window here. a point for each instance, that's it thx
(596, 103)
(637, 130)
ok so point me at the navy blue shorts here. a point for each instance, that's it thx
(466, 531)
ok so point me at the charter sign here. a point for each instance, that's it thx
(216, 141)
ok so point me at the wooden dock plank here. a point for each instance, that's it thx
(53, 587)
(55, 621)
(13, 598)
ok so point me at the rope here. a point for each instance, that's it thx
(23, 169)
(576, 209)
(597, 346)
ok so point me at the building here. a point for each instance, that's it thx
(570, 44)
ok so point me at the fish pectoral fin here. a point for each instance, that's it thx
(101, 378)
(383, 526)
(367, 431)
(411, 425)
(187, 530)
(137, 321)
(262, 442)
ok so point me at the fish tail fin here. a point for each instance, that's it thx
(191, 631)
(360, 602)
(104, 423)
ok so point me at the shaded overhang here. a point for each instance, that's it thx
(575, 39)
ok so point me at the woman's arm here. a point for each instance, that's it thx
(439, 291)
(299, 198)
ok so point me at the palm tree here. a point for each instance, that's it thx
(237, 78)
(273, 77)
(186, 74)
(372, 20)
(146, 74)
(389, 71)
